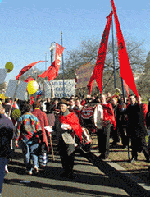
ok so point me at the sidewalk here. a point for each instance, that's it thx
(144, 187)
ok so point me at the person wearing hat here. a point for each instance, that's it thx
(66, 126)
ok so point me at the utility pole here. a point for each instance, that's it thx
(62, 67)
(45, 61)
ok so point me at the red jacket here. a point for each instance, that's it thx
(145, 110)
(108, 114)
(42, 117)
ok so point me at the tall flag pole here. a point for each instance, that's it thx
(98, 69)
(62, 67)
(125, 68)
(123, 89)
(113, 52)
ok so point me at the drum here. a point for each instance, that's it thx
(98, 116)
(86, 116)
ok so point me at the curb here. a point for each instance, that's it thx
(135, 181)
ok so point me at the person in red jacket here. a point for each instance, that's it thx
(42, 117)
(104, 133)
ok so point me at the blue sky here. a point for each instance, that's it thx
(28, 27)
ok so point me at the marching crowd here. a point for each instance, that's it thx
(73, 119)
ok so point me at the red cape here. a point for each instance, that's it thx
(73, 121)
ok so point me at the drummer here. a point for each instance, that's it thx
(86, 115)
(78, 107)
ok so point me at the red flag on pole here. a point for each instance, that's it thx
(52, 71)
(58, 55)
(125, 68)
(26, 68)
(98, 70)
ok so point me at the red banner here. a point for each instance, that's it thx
(26, 68)
(125, 68)
(58, 55)
(98, 70)
(52, 71)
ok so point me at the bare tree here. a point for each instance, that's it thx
(88, 52)
(144, 79)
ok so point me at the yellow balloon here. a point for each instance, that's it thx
(2, 96)
(32, 87)
(9, 66)
(16, 114)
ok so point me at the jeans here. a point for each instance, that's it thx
(30, 151)
(3, 162)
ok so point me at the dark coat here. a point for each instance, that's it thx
(6, 133)
(136, 120)
(148, 120)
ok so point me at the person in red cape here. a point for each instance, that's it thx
(66, 126)
(42, 117)
(104, 133)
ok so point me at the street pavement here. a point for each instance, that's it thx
(93, 177)
(89, 180)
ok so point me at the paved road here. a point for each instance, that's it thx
(89, 180)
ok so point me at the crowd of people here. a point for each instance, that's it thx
(74, 120)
